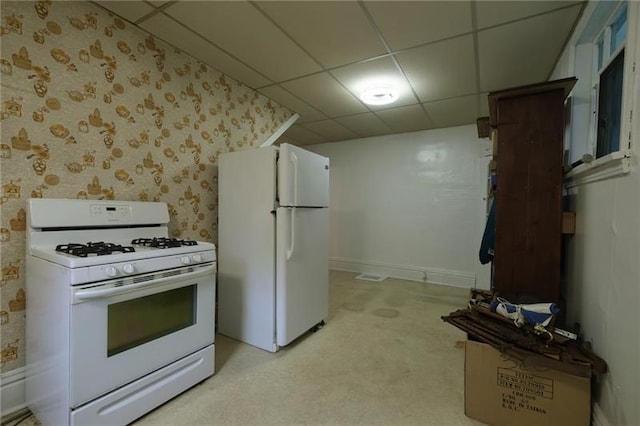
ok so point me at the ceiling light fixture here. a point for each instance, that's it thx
(379, 96)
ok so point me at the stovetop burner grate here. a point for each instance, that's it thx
(163, 242)
(99, 248)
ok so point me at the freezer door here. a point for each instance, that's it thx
(302, 271)
(303, 178)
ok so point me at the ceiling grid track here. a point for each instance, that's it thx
(323, 47)
(395, 61)
(323, 70)
(476, 56)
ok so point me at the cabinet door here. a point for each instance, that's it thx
(529, 195)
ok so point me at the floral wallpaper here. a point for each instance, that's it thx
(92, 107)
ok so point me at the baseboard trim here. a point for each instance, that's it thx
(413, 273)
(12, 391)
(597, 416)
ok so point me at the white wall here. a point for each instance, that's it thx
(409, 205)
(603, 264)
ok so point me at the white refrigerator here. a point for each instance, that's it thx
(273, 244)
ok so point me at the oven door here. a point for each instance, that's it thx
(122, 330)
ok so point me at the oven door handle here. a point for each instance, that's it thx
(97, 293)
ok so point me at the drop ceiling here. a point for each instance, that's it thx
(315, 57)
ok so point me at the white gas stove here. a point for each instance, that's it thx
(142, 259)
(115, 308)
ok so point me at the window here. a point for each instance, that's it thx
(610, 108)
(599, 139)
(607, 84)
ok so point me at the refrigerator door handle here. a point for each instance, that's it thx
(292, 238)
(294, 160)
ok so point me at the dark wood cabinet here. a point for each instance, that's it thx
(528, 123)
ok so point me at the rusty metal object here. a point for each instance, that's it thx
(525, 344)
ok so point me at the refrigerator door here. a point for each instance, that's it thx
(303, 178)
(302, 271)
(246, 246)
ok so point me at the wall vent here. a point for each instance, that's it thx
(371, 277)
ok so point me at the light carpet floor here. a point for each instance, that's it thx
(384, 357)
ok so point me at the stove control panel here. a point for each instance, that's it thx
(144, 265)
(111, 211)
(115, 270)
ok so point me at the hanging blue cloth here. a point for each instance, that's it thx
(489, 237)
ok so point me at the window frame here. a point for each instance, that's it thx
(603, 57)
(582, 133)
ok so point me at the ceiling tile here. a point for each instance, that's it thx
(322, 27)
(410, 23)
(129, 10)
(298, 135)
(325, 94)
(182, 38)
(489, 13)
(245, 33)
(453, 112)
(524, 52)
(406, 119)
(311, 56)
(441, 70)
(306, 111)
(330, 130)
(365, 125)
(358, 77)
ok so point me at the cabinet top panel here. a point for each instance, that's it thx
(565, 84)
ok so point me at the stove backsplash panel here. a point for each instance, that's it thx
(92, 107)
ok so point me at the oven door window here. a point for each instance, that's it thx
(134, 322)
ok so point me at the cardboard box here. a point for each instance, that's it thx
(498, 391)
